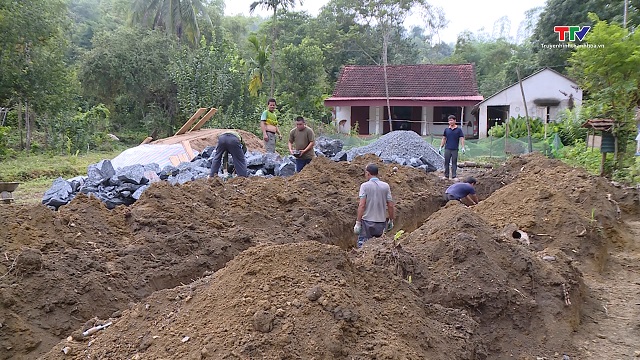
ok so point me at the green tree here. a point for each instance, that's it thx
(611, 76)
(495, 60)
(237, 30)
(273, 5)
(342, 40)
(127, 70)
(575, 12)
(386, 15)
(257, 64)
(32, 67)
(303, 79)
(213, 76)
(178, 17)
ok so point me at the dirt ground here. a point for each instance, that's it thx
(257, 268)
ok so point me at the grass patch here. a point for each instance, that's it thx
(36, 173)
(25, 168)
(31, 192)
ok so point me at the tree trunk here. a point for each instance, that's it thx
(385, 44)
(273, 52)
(27, 126)
(526, 112)
(20, 123)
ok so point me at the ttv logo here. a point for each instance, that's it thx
(574, 32)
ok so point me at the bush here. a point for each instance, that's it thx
(569, 128)
(4, 141)
(518, 128)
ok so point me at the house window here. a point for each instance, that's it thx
(441, 114)
(548, 114)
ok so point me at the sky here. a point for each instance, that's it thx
(462, 14)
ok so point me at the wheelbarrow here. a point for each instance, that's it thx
(6, 191)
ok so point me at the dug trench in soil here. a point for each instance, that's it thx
(81, 272)
(455, 288)
(62, 269)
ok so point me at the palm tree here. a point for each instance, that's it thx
(178, 17)
(273, 5)
(258, 64)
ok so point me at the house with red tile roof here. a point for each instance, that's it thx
(421, 98)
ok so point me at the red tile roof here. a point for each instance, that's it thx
(451, 81)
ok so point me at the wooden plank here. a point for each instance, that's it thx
(187, 147)
(147, 140)
(191, 120)
(175, 161)
(204, 119)
(183, 157)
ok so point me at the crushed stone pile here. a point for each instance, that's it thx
(402, 147)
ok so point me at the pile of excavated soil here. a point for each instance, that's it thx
(264, 268)
(294, 301)
(84, 261)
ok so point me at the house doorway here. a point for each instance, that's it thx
(497, 115)
(360, 117)
(403, 118)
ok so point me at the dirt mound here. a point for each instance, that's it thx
(455, 288)
(300, 301)
(459, 261)
(95, 261)
(558, 206)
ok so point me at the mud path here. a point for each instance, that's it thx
(614, 332)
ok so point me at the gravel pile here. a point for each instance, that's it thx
(402, 147)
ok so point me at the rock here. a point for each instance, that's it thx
(327, 146)
(60, 193)
(314, 293)
(263, 321)
(285, 169)
(28, 261)
(102, 170)
(136, 195)
(341, 313)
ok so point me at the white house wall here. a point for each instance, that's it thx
(374, 119)
(344, 122)
(438, 130)
(545, 85)
(343, 113)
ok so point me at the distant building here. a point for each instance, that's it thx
(547, 93)
(421, 98)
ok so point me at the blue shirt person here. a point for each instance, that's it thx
(452, 137)
(465, 192)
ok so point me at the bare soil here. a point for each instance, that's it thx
(265, 268)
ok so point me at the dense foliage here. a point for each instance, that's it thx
(73, 71)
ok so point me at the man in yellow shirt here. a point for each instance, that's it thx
(269, 126)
